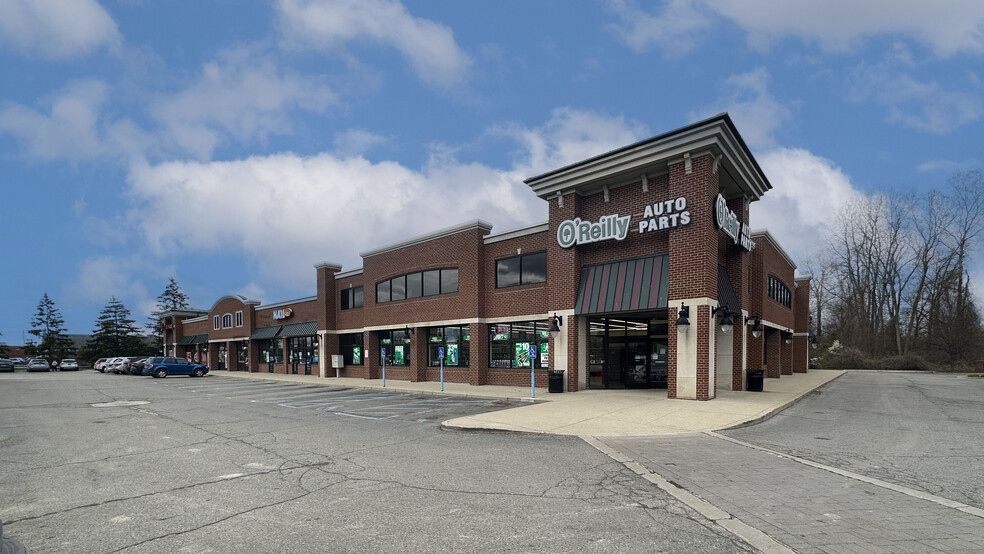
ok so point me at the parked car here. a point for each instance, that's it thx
(109, 366)
(98, 366)
(68, 364)
(160, 366)
(6, 365)
(19, 361)
(37, 364)
(135, 366)
(122, 368)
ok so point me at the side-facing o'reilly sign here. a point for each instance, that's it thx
(727, 221)
(574, 231)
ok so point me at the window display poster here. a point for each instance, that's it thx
(451, 353)
(545, 354)
(522, 358)
(357, 355)
(398, 355)
(501, 332)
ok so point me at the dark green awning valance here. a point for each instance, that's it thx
(625, 286)
(726, 292)
(267, 332)
(200, 339)
(303, 329)
(185, 341)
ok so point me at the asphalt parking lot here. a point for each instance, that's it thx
(872, 462)
(342, 401)
(105, 463)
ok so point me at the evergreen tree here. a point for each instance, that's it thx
(115, 334)
(173, 298)
(48, 326)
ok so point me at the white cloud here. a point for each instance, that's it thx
(242, 96)
(834, 25)
(326, 25)
(946, 165)
(103, 277)
(57, 28)
(356, 142)
(927, 106)
(808, 192)
(756, 113)
(72, 128)
(569, 136)
(674, 32)
(286, 212)
(841, 25)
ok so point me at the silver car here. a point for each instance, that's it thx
(6, 365)
(37, 364)
(68, 364)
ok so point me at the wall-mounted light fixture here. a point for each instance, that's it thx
(727, 324)
(787, 336)
(409, 330)
(756, 322)
(555, 322)
(683, 318)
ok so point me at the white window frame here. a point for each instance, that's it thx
(224, 316)
(239, 318)
(215, 322)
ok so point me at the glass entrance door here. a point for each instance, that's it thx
(636, 364)
(628, 352)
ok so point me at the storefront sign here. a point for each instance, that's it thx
(282, 313)
(665, 215)
(571, 232)
(727, 221)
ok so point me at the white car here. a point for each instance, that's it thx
(110, 364)
(98, 366)
(68, 364)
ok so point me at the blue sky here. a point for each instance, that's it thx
(235, 144)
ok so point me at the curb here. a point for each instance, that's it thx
(774, 411)
(750, 535)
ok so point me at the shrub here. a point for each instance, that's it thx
(849, 357)
(907, 362)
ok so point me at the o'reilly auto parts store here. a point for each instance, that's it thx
(646, 275)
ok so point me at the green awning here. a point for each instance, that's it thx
(303, 329)
(624, 286)
(726, 292)
(200, 339)
(267, 332)
(187, 340)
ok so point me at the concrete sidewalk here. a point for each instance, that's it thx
(596, 412)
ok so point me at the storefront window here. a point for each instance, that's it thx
(455, 342)
(351, 347)
(272, 350)
(303, 350)
(397, 347)
(243, 354)
(509, 344)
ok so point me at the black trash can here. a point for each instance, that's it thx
(555, 381)
(755, 379)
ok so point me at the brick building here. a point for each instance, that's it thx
(646, 259)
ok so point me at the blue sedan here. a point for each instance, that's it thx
(161, 367)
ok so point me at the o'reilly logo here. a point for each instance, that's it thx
(575, 231)
(727, 221)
